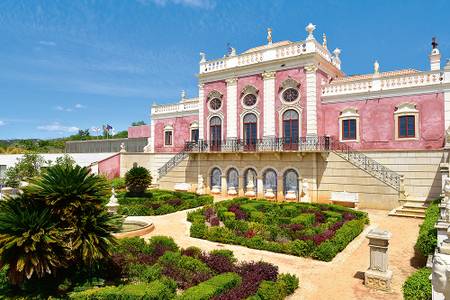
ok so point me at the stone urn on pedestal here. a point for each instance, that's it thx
(113, 203)
(250, 192)
(215, 189)
(232, 191)
(291, 195)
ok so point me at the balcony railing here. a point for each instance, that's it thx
(303, 144)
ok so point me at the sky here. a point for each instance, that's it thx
(69, 65)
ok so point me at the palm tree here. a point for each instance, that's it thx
(30, 241)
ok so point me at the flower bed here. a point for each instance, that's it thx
(316, 230)
(160, 270)
(160, 202)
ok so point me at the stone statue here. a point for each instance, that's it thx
(304, 195)
(122, 147)
(376, 67)
(440, 278)
(233, 51)
(269, 35)
(202, 57)
(250, 188)
(113, 203)
(200, 185)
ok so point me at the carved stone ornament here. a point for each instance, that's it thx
(249, 89)
(311, 68)
(214, 94)
(440, 278)
(268, 75)
(289, 83)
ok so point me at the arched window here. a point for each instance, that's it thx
(233, 178)
(290, 180)
(250, 178)
(290, 130)
(215, 133)
(216, 177)
(250, 131)
(270, 180)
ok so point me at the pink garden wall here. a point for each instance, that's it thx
(110, 167)
(377, 122)
(181, 133)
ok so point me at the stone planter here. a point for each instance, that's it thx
(232, 191)
(291, 195)
(215, 189)
(269, 194)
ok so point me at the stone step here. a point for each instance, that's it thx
(412, 212)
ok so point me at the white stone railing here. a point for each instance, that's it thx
(381, 83)
(188, 105)
(265, 54)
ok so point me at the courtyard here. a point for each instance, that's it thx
(341, 278)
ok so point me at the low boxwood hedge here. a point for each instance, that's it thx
(160, 202)
(212, 287)
(418, 286)
(315, 230)
(427, 239)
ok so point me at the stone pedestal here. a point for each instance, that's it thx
(200, 185)
(270, 195)
(113, 204)
(250, 189)
(290, 196)
(232, 191)
(440, 277)
(215, 190)
(378, 276)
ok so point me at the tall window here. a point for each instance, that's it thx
(349, 129)
(168, 137)
(406, 126)
(250, 131)
(194, 135)
(215, 132)
(290, 130)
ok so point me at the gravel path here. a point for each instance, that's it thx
(341, 278)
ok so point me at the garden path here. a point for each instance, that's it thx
(341, 278)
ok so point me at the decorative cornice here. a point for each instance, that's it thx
(311, 68)
(268, 75)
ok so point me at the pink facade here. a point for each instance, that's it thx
(257, 82)
(221, 87)
(181, 133)
(110, 167)
(142, 131)
(377, 125)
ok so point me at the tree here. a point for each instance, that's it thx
(137, 180)
(26, 168)
(121, 134)
(138, 123)
(65, 160)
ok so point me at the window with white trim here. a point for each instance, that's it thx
(406, 118)
(168, 135)
(349, 125)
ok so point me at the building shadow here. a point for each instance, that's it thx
(359, 275)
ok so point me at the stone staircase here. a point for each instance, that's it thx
(412, 208)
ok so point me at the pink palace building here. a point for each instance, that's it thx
(282, 121)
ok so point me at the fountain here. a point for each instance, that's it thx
(132, 226)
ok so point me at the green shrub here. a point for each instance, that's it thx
(144, 273)
(155, 290)
(161, 242)
(301, 248)
(228, 215)
(304, 219)
(331, 214)
(131, 245)
(325, 251)
(183, 262)
(137, 180)
(198, 230)
(118, 183)
(288, 282)
(212, 287)
(223, 252)
(418, 286)
(427, 240)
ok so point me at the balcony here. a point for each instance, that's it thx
(303, 144)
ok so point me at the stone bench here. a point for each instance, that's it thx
(182, 187)
(345, 198)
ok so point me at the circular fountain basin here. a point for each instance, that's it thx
(135, 226)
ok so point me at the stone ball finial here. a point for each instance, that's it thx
(310, 29)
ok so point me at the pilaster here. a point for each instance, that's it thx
(241, 186)
(232, 107)
(311, 100)
(223, 185)
(269, 103)
(201, 107)
(260, 187)
(447, 96)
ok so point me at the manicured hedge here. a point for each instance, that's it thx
(427, 240)
(160, 202)
(155, 290)
(418, 286)
(313, 230)
(212, 287)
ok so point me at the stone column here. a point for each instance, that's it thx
(260, 187)
(241, 186)
(378, 276)
(269, 104)
(223, 185)
(232, 98)
(311, 100)
(201, 118)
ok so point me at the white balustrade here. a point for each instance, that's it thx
(188, 105)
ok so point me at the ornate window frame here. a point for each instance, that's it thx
(349, 114)
(241, 121)
(289, 83)
(406, 109)
(208, 125)
(167, 129)
(249, 90)
(281, 112)
(213, 95)
(194, 126)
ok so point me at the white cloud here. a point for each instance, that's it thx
(79, 106)
(47, 43)
(2, 123)
(57, 127)
(61, 108)
(205, 4)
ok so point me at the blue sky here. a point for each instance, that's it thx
(66, 65)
